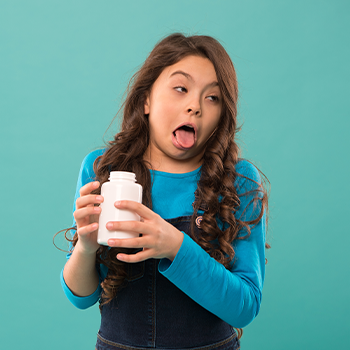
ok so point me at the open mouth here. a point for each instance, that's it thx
(185, 136)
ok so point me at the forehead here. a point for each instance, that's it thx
(196, 68)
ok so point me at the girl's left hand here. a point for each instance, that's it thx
(159, 238)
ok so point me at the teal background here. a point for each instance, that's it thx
(64, 68)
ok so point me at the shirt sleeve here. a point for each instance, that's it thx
(86, 175)
(233, 295)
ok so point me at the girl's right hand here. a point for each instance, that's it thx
(86, 216)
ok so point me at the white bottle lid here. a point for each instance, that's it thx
(122, 175)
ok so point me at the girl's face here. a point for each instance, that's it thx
(184, 107)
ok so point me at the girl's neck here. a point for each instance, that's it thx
(171, 165)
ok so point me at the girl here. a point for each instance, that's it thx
(196, 272)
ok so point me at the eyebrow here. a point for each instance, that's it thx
(189, 77)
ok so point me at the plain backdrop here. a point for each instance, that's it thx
(64, 68)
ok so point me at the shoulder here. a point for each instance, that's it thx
(88, 161)
(247, 169)
(248, 176)
(87, 173)
(250, 190)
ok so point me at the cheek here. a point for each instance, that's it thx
(163, 112)
(211, 126)
(215, 121)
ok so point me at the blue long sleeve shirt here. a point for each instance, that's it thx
(233, 295)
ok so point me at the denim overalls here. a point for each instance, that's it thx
(151, 312)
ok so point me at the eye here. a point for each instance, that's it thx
(180, 88)
(214, 98)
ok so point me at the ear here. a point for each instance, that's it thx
(146, 105)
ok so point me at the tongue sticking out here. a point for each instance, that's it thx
(185, 136)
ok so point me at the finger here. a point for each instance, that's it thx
(87, 229)
(136, 207)
(89, 199)
(88, 188)
(134, 258)
(82, 213)
(137, 242)
(132, 226)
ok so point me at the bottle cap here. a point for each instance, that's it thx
(121, 175)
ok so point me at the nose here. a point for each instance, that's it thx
(194, 108)
(195, 112)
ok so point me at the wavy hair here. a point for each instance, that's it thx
(219, 160)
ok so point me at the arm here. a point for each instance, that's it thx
(80, 272)
(79, 278)
(233, 295)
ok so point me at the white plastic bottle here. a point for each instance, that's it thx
(121, 185)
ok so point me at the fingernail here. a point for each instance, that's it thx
(117, 203)
(99, 198)
(109, 225)
(111, 243)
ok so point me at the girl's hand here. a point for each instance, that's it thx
(159, 238)
(86, 216)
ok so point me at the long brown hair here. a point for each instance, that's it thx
(218, 168)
